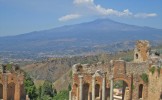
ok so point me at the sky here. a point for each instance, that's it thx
(24, 16)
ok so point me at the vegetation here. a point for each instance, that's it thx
(70, 74)
(152, 69)
(62, 95)
(144, 77)
(44, 92)
(9, 67)
(133, 87)
(30, 87)
(158, 69)
(118, 84)
(128, 58)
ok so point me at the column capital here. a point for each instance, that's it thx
(111, 77)
(80, 76)
(93, 77)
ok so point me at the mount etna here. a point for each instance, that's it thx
(98, 35)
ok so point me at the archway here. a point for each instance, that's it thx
(140, 91)
(11, 91)
(161, 96)
(97, 91)
(1, 91)
(22, 92)
(85, 91)
(120, 87)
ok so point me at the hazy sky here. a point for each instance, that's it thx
(23, 16)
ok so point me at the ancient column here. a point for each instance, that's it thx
(5, 87)
(80, 87)
(70, 95)
(111, 87)
(93, 87)
(126, 95)
(103, 87)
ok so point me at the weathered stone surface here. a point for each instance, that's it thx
(130, 72)
(11, 85)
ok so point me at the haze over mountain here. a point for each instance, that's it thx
(102, 34)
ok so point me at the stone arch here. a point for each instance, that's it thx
(97, 90)
(85, 91)
(123, 79)
(126, 89)
(1, 91)
(140, 91)
(11, 91)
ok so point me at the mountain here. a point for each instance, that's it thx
(100, 34)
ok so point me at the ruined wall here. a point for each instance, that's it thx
(155, 85)
(92, 81)
(141, 51)
(141, 83)
(136, 68)
(11, 85)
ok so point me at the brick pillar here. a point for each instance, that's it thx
(93, 87)
(17, 91)
(5, 87)
(103, 87)
(81, 88)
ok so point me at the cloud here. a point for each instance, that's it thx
(83, 2)
(104, 11)
(101, 10)
(98, 9)
(145, 15)
(69, 17)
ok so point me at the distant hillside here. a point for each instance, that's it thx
(101, 34)
(58, 70)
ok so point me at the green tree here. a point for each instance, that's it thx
(39, 92)
(30, 87)
(47, 89)
(62, 95)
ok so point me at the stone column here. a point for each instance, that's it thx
(126, 95)
(70, 95)
(103, 87)
(111, 87)
(80, 87)
(5, 87)
(93, 87)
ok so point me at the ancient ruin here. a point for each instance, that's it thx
(11, 83)
(142, 78)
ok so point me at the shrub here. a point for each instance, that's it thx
(158, 69)
(144, 77)
(127, 58)
(9, 67)
(62, 95)
(152, 69)
(133, 87)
